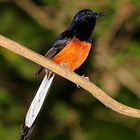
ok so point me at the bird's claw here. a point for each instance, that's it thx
(84, 78)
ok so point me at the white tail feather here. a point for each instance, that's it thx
(38, 101)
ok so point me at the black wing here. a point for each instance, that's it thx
(61, 41)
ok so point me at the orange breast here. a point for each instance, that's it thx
(73, 54)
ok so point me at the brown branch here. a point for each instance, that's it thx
(128, 80)
(127, 10)
(87, 85)
(42, 17)
(38, 14)
(103, 53)
(120, 74)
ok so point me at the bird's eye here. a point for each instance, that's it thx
(88, 15)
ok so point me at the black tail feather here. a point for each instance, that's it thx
(26, 131)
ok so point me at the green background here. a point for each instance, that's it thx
(71, 113)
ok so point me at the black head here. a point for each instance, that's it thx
(84, 16)
(83, 23)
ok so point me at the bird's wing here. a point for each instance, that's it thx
(61, 41)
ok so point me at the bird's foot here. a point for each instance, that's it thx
(84, 78)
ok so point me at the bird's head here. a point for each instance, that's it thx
(84, 22)
(86, 16)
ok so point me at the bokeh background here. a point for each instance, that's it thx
(71, 113)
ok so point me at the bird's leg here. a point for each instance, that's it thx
(84, 78)
(77, 86)
(64, 65)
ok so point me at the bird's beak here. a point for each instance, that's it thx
(100, 14)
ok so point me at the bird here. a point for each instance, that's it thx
(70, 49)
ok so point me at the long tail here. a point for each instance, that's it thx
(35, 107)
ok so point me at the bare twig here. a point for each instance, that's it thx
(120, 74)
(126, 11)
(87, 85)
(120, 16)
(38, 14)
(128, 80)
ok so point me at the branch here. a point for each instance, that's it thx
(41, 17)
(38, 14)
(122, 75)
(87, 85)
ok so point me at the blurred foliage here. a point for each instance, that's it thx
(70, 113)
